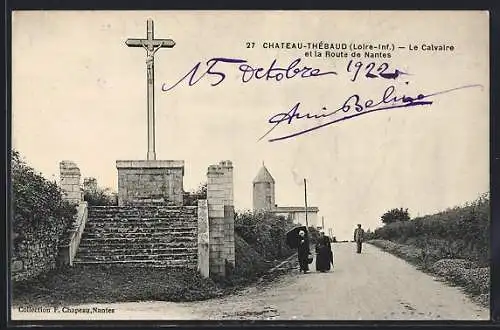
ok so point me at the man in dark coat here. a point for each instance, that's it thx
(359, 234)
(324, 253)
(303, 252)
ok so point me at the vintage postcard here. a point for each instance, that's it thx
(250, 165)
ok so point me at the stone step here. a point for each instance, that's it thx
(138, 240)
(143, 211)
(142, 207)
(132, 246)
(130, 257)
(127, 250)
(133, 229)
(142, 214)
(139, 263)
(141, 222)
(130, 234)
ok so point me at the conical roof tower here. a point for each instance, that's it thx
(263, 175)
(263, 190)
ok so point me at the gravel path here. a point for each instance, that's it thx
(373, 285)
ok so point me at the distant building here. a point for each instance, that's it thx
(264, 200)
(263, 190)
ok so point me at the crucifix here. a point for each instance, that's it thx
(151, 45)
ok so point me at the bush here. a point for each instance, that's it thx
(458, 233)
(97, 196)
(37, 203)
(40, 220)
(264, 232)
(313, 235)
(191, 197)
(250, 265)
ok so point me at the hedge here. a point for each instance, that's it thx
(40, 220)
(457, 233)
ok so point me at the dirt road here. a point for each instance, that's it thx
(373, 285)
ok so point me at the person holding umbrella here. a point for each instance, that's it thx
(303, 251)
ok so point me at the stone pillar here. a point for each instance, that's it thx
(227, 187)
(221, 216)
(70, 181)
(203, 239)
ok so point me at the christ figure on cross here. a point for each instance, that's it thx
(151, 45)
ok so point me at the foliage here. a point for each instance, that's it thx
(265, 232)
(460, 232)
(369, 234)
(395, 215)
(37, 203)
(313, 235)
(191, 197)
(249, 266)
(96, 196)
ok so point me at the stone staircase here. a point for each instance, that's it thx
(148, 236)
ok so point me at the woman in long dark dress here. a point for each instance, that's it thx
(303, 252)
(324, 253)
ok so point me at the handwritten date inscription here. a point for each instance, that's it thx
(371, 70)
(216, 68)
(273, 72)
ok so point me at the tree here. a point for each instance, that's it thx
(395, 215)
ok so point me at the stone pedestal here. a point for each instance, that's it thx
(150, 182)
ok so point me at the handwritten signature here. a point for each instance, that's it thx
(248, 72)
(353, 107)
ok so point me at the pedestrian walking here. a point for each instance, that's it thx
(324, 253)
(359, 235)
(303, 252)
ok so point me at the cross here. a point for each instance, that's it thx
(151, 45)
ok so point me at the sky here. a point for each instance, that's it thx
(79, 94)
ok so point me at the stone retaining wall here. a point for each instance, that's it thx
(37, 252)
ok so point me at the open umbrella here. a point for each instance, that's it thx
(292, 236)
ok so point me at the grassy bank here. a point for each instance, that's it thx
(108, 284)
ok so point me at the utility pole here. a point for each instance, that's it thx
(323, 223)
(305, 199)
